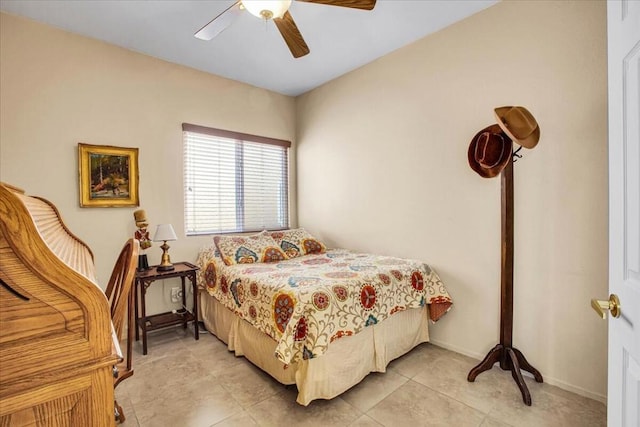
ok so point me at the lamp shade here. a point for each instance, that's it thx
(164, 232)
(267, 9)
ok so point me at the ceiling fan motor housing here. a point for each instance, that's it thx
(267, 9)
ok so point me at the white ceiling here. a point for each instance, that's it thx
(251, 50)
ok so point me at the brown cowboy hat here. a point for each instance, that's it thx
(489, 151)
(519, 124)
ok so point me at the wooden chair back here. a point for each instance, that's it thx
(121, 302)
(121, 299)
(121, 283)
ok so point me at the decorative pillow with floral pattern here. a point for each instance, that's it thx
(249, 249)
(297, 242)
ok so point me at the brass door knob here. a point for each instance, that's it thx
(612, 305)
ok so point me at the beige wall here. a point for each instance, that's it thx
(382, 167)
(58, 89)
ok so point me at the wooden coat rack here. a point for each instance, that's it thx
(510, 358)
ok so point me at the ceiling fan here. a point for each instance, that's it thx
(278, 11)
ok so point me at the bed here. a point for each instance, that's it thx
(319, 318)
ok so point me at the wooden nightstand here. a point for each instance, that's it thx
(144, 279)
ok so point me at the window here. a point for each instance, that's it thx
(234, 182)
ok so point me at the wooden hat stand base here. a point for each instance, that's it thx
(510, 358)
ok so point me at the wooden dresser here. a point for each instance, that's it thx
(56, 343)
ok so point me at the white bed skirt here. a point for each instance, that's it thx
(347, 361)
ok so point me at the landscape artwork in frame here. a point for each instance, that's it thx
(108, 176)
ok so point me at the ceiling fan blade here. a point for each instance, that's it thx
(291, 35)
(354, 4)
(220, 22)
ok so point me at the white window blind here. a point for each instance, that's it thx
(234, 182)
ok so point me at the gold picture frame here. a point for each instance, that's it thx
(108, 176)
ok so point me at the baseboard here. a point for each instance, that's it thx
(577, 390)
(457, 349)
(547, 379)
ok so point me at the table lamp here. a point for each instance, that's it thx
(165, 233)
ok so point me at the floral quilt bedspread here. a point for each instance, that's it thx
(306, 303)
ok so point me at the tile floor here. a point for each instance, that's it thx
(188, 383)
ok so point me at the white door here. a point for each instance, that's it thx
(624, 211)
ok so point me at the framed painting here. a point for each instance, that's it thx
(108, 176)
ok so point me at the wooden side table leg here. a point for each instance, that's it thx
(143, 323)
(131, 323)
(194, 287)
(184, 303)
(136, 285)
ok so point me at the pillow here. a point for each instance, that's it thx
(298, 242)
(249, 249)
